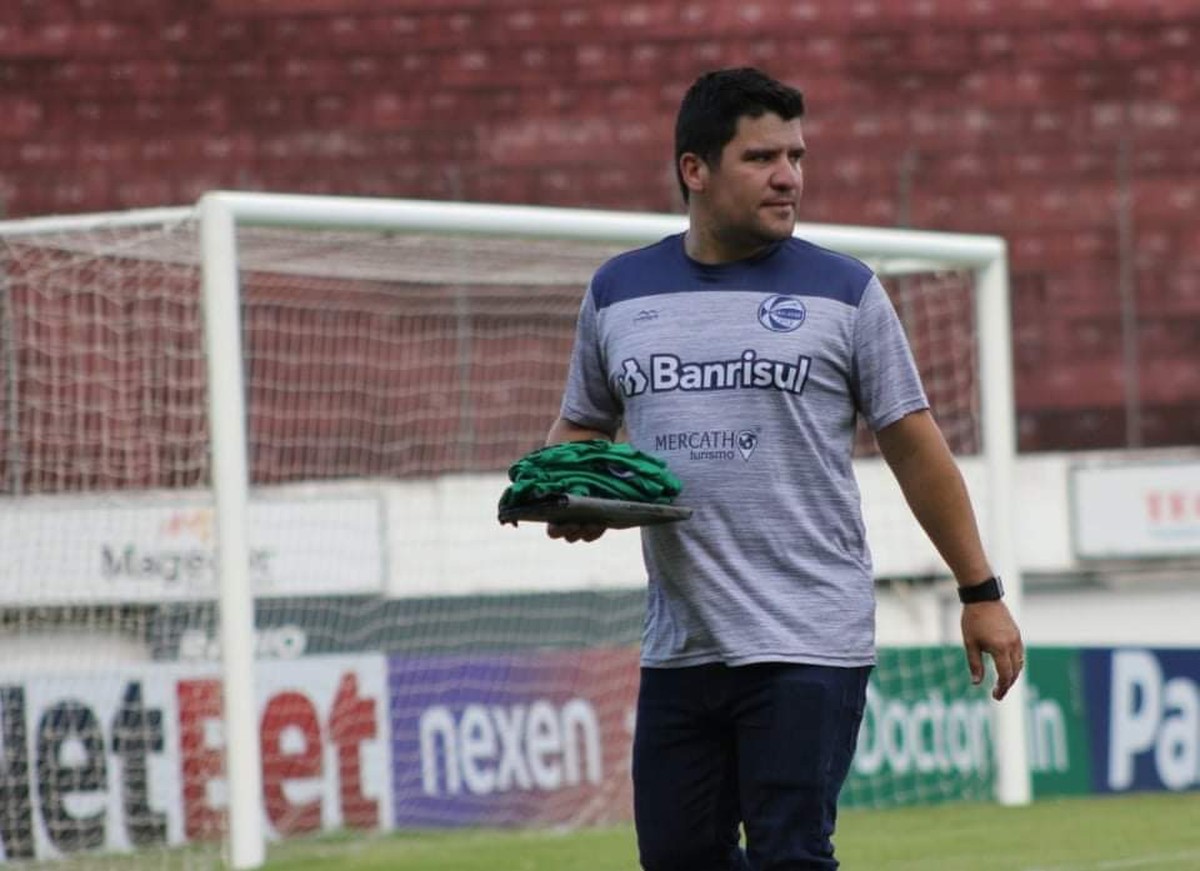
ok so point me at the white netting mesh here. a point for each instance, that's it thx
(366, 353)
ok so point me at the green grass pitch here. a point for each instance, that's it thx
(1152, 832)
(1149, 832)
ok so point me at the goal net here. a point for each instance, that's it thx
(250, 460)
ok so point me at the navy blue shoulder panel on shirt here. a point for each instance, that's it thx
(793, 267)
(655, 269)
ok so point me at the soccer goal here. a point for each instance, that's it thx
(254, 586)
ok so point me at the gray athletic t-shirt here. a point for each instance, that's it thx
(747, 378)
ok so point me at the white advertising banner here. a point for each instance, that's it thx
(1136, 511)
(77, 553)
(133, 758)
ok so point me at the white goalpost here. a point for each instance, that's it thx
(903, 251)
(393, 315)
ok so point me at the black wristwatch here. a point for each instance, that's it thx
(990, 590)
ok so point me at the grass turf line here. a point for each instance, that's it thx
(1150, 832)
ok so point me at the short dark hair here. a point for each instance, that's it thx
(709, 113)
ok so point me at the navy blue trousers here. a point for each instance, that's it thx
(766, 747)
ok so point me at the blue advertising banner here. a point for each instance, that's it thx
(530, 738)
(1144, 718)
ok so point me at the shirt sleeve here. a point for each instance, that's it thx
(888, 385)
(588, 399)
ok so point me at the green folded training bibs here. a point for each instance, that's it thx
(595, 467)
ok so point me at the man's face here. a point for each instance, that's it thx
(751, 197)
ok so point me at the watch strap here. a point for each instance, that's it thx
(990, 590)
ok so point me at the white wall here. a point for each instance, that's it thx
(440, 537)
(65, 649)
(444, 540)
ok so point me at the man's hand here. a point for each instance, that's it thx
(564, 430)
(988, 627)
(574, 532)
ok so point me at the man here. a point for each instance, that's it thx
(743, 356)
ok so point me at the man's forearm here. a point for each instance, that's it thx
(936, 494)
(940, 502)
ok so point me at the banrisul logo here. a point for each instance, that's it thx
(781, 314)
(668, 373)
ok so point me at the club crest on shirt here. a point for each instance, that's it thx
(781, 314)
